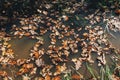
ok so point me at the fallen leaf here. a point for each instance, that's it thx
(76, 77)
(117, 11)
(56, 78)
(47, 77)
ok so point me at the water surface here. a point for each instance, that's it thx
(22, 46)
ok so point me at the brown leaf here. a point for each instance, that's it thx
(60, 69)
(115, 77)
(22, 71)
(85, 35)
(3, 73)
(27, 34)
(36, 54)
(117, 11)
(47, 77)
(56, 78)
(28, 66)
(66, 18)
(40, 78)
(39, 62)
(12, 62)
(78, 64)
(76, 77)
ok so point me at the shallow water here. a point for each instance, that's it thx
(114, 39)
(21, 47)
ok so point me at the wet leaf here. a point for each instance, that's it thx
(117, 11)
(39, 62)
(76, 77)
(30, 65)
(3, 73)
(22, 71)
(56, 78)
(60, 69)
(47, 77)
(78, 64)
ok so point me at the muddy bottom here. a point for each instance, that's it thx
(21, 47)
(114, 40)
